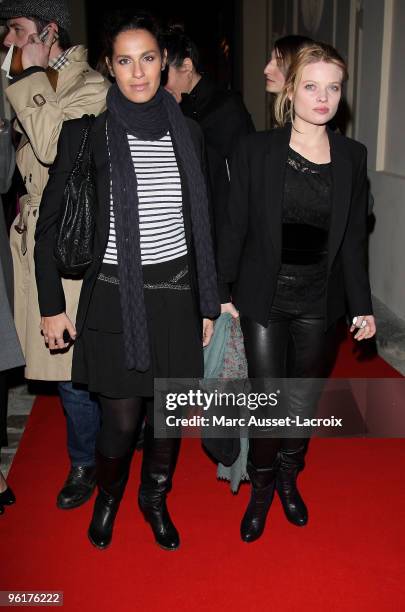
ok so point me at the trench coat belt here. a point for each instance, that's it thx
(29, 204)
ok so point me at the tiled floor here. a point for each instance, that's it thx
(390, 336)
(391, 347)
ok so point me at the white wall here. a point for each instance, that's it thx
(382, 129)
(395, 138)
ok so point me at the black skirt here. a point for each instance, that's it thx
(174, 328)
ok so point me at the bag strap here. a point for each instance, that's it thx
(85, 137)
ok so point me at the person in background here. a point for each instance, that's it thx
(275, 71)
(10, 355)
(56, 83)
(282, 55)
(221, 113)
(292, 254)
(150, 293)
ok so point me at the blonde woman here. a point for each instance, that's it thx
(292, 253)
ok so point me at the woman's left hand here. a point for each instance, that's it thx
(365, 324)
(208, 330)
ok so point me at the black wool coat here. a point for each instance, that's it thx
(50, 290)
(225, 121)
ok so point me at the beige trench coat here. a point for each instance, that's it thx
(41, 112)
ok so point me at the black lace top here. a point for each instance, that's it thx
(305, 224)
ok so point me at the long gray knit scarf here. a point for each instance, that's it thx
(151, 121)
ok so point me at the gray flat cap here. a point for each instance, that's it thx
(48, 10)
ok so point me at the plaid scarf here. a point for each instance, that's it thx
(60, 62)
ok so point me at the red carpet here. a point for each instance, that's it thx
(349, 557)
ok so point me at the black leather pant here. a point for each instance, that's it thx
(293, 345)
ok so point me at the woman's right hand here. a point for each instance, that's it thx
(229, 307)
(53, 328)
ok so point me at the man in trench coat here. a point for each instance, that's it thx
(56, 84)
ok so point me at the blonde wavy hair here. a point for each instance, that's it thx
(317, 52)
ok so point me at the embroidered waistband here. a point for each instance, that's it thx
(171, 283)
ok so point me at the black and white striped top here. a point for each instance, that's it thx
(161, 224)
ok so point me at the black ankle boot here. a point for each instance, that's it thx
(159, 462)
(291, 462)
(262, 493)
(112, 475)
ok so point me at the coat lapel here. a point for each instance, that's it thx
(275, 163)
(341, 193)
(101, 161)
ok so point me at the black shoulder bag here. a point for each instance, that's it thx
(75, 230)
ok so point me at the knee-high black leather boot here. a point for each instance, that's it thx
(112, 476)
(158, 465)
(263, 482)
(290, 463)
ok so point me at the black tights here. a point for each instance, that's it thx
(292, 346)
(121, 422)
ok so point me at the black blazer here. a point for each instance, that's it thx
(225, 121)
(249, 253)
(50, 290)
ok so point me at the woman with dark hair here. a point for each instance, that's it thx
(284, 51)
(221, 113)
(149, 296)
(293, 251)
